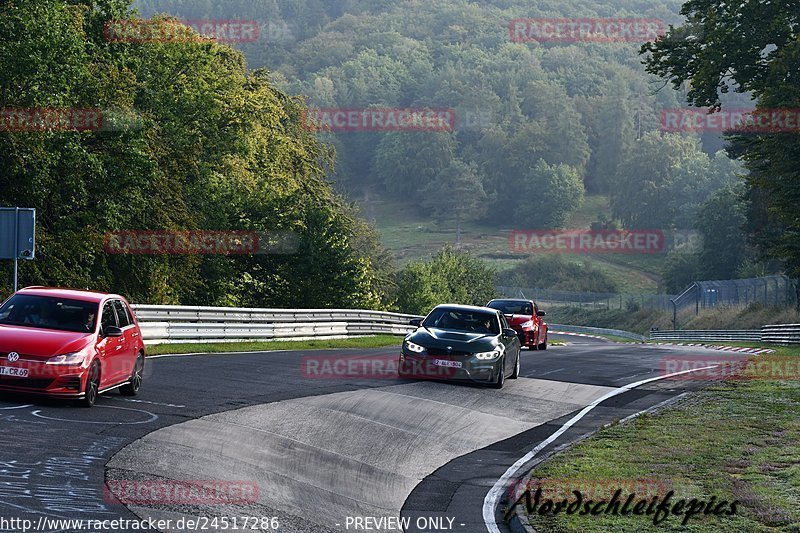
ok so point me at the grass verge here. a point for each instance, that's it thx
(736, 441)
(377, 341)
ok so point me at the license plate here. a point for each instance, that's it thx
(13, 372)
(445, 362)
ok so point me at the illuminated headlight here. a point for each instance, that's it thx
(69, 359)
(528, 324)
(416, 348)
(488, 356)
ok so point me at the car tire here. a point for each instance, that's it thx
(92, 389)
(500, 380)
(135, 383)
(515, 374)
(543, 346)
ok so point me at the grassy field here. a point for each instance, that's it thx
(377, 341)
(411, 234)
(735, 441)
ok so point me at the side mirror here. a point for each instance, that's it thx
(509, 332)
(417, 322)
(541, 313)
(112, 331)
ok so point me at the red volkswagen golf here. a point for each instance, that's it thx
(70, 344)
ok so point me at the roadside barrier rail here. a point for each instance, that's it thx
(169, 324)
(781, 334)
(741, 335)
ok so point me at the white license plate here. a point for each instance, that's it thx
(444, 362)
(13, 372)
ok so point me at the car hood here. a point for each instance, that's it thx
(458, 341)
(516, 320)
(41, 343)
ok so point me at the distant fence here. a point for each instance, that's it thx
(770, 291)
(167, 324)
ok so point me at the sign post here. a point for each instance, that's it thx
(17, 236)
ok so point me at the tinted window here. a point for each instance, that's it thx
(122, 314)
(504, 322)
(511, 307)
(109, 317)
(47, 312)
(463, 320)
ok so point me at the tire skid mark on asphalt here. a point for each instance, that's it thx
(131, 400)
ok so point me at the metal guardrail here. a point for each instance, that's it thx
(781, 334)
(743, 335)
(165, 324)
(596, 331)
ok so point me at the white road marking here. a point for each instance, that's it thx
(492, 497)
(153, 417)
(16, 407)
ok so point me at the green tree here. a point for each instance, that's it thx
(720, 222)
(456, 194)
(407, 162)
(212, 147)
(544, 195)
(661, 183)
(451, 276)
(747, 47)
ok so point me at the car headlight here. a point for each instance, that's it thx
(416, 348)
(528, 324)
(68, 359)
(488, 356)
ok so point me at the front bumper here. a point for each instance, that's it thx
(526, 337)
(49, 380)
(423, 367)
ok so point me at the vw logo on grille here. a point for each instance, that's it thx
(13, 357)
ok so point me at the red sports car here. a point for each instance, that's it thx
(526, 319)
(69, 344)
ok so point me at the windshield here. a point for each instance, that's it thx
(463, 320)
(46, 312)
(510, 307)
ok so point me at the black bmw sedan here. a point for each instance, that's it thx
(461, 342)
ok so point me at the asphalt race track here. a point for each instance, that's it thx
(319, 450)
